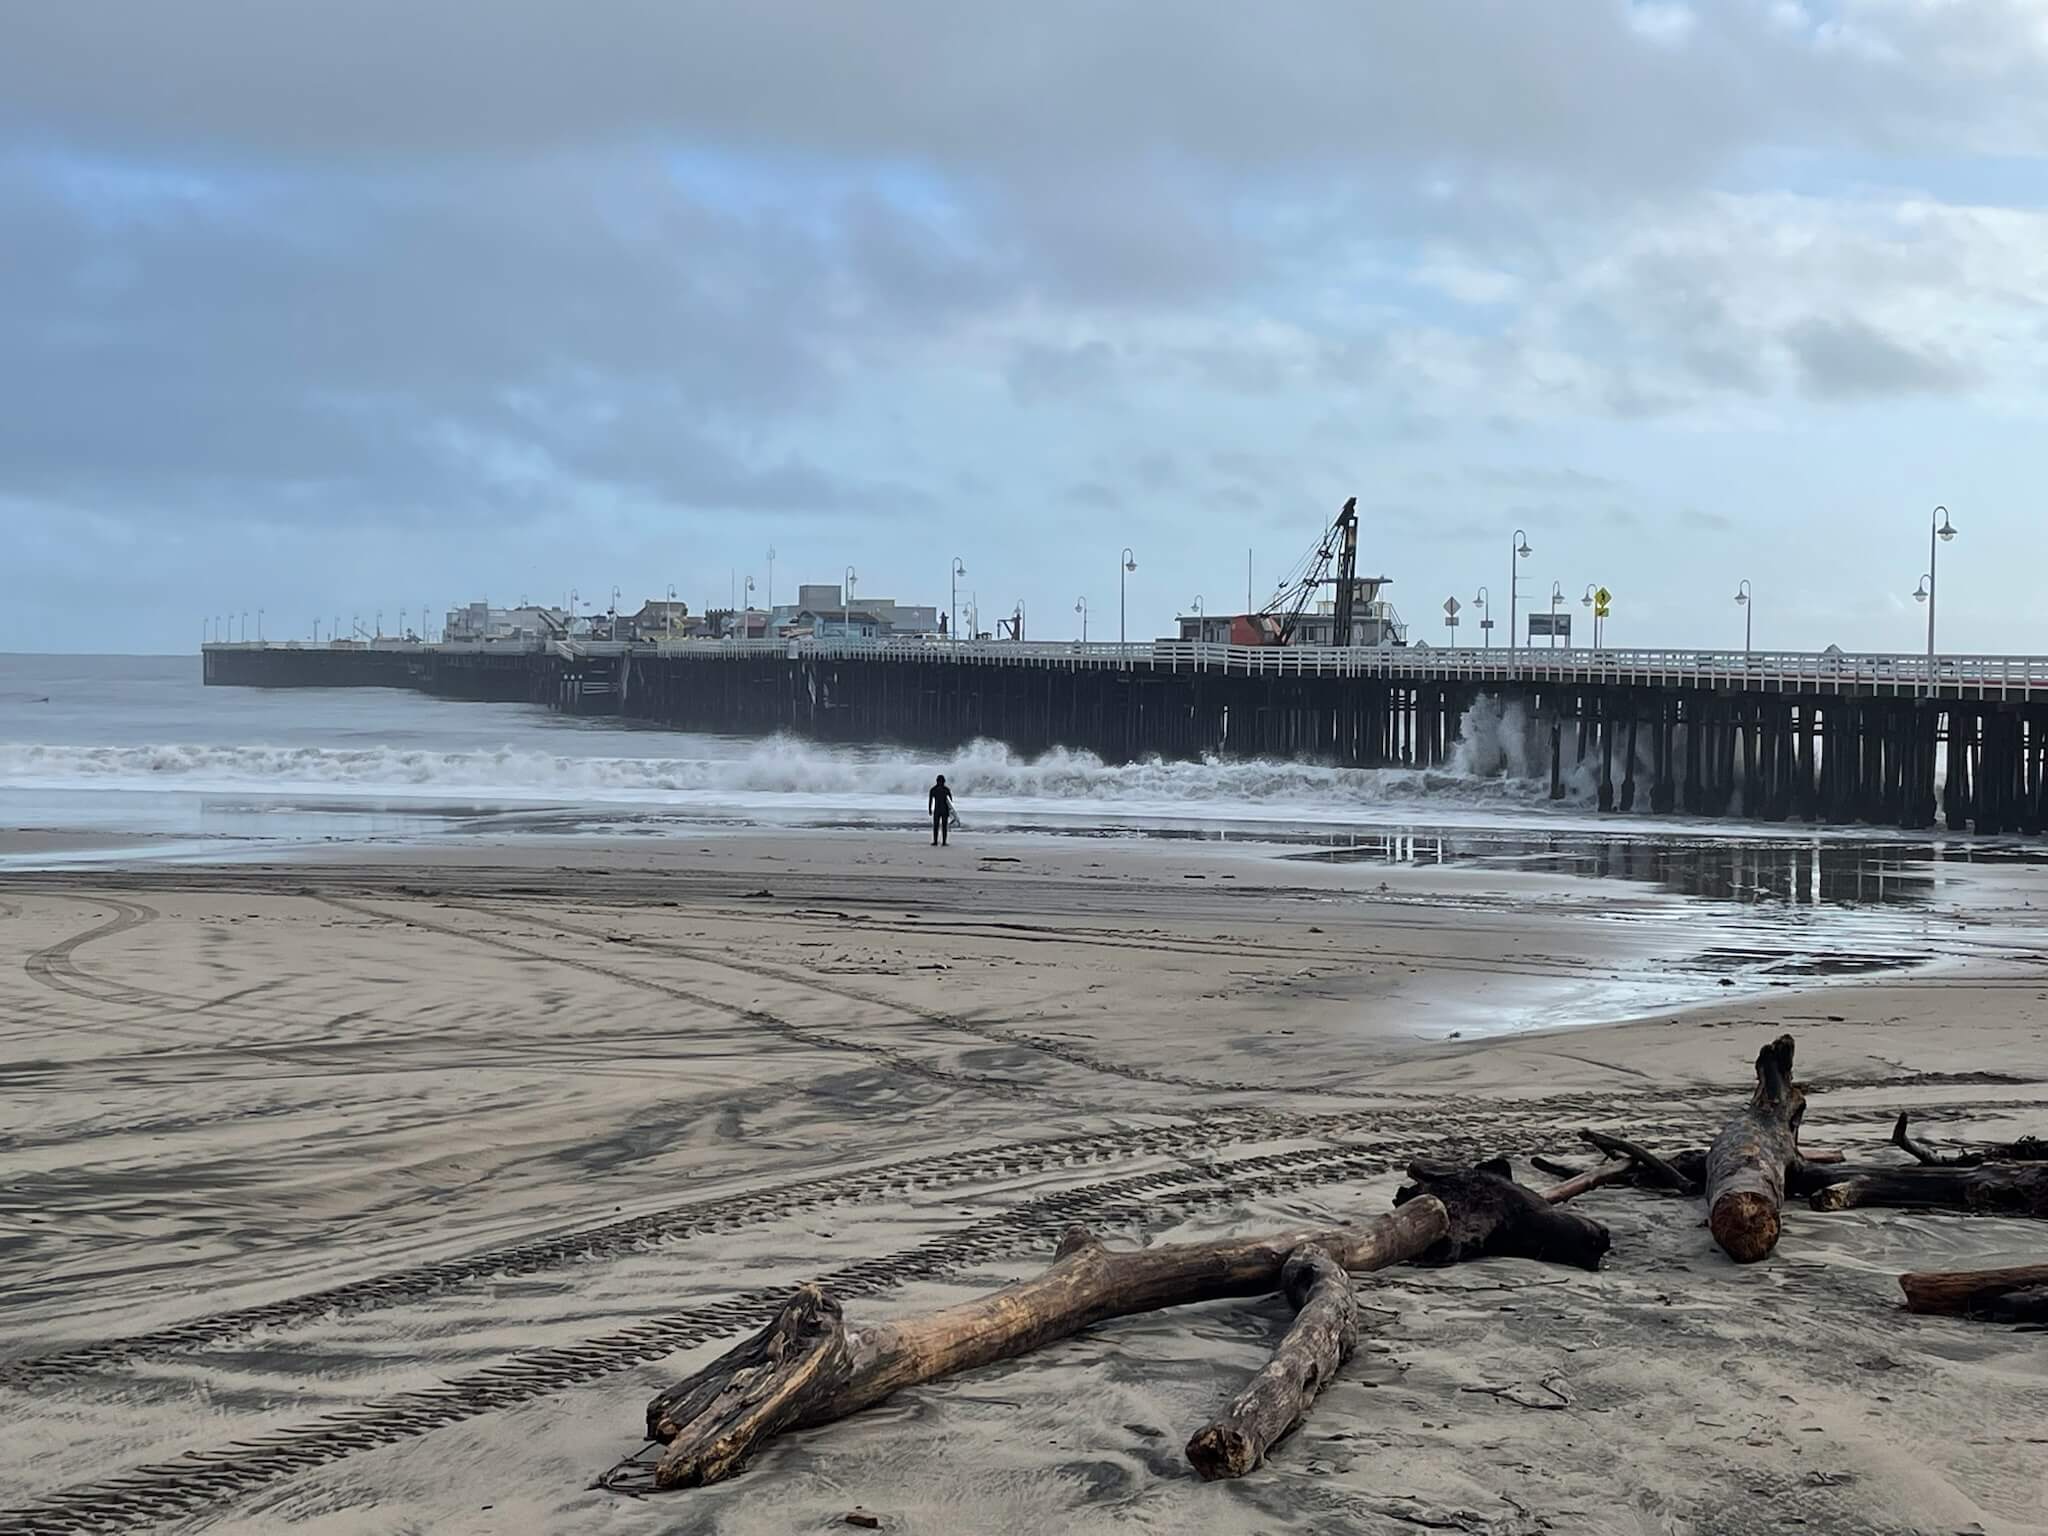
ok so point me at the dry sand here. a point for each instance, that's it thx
(380, 1196)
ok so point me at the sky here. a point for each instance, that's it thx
(322, 310)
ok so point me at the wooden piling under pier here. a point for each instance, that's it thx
(1809, 749)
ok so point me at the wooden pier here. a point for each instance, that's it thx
(1808, 736)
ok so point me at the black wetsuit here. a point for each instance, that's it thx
(941, 801)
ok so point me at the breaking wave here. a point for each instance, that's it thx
(1490, 768)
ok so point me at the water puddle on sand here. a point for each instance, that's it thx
(1734, 916)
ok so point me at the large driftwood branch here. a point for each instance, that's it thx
(1491, 1216)
(806, 1368)
(1746, 1165)
(2028, 1149)
(2019, 1294)
(1635, 1167)
(1991, 1189)
(1652, 1172)
(1581, 1181)
(1324, 1333)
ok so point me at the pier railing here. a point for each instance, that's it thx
(1775, 671)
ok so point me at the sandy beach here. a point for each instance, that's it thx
(379, 1193)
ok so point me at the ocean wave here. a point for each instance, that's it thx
(777, 767)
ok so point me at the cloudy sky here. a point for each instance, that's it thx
(344, 307)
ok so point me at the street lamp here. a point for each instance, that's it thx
(1747, 598)
(1201, 622)
(959, 570)
(1520, 552)
(846, 604)
(1938, 527)
(245, 626)
(1556, 597)
(1128, 564)
(1485, 618)
(1081, 607)
(771, 582)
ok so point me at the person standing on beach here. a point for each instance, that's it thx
(940, 801)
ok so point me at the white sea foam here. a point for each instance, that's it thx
(810, 775)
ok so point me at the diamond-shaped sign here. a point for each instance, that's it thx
(1451, 606)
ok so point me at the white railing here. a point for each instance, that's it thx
(1777, 671)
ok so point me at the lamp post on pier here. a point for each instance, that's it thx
(1556, 597)
(771, 583)
(959, 570)
(1485, 603)
(1127, 564)
(1747, 598)
(1938, 527)
(1520, 551)
(1081, 607)
(846, 604)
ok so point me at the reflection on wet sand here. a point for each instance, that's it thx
(1804, 872)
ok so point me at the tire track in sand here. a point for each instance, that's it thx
(1058, 1049)
(56, 966)
(812, 1039)
(200, 1479)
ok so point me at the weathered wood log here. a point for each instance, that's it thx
(2028, 1149)
(1613, 1171)
(1652, 1171)
(2017, 1294)
(806, 1368)
(1491, 1216)
(1324, 1332)
(1681, 1174)
(1990, 1189)
(1745, 1173)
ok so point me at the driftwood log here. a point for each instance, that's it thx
(1579, 1181)
(1635, 1167)
(806, 1367)
(1491, 1216)
(2028, 1149)
(1746, 1165)
(2016, 1295)
(1324, 1333)
(1989, 1189)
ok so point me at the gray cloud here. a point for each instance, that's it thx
(1494, 83)
(1845, 359)
(674, 271)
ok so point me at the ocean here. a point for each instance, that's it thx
(139, 745)
(136, 747)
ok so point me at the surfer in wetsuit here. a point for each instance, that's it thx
(940, 801)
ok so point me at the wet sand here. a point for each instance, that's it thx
(378, 1195)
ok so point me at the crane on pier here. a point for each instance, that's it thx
(1279, 621)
